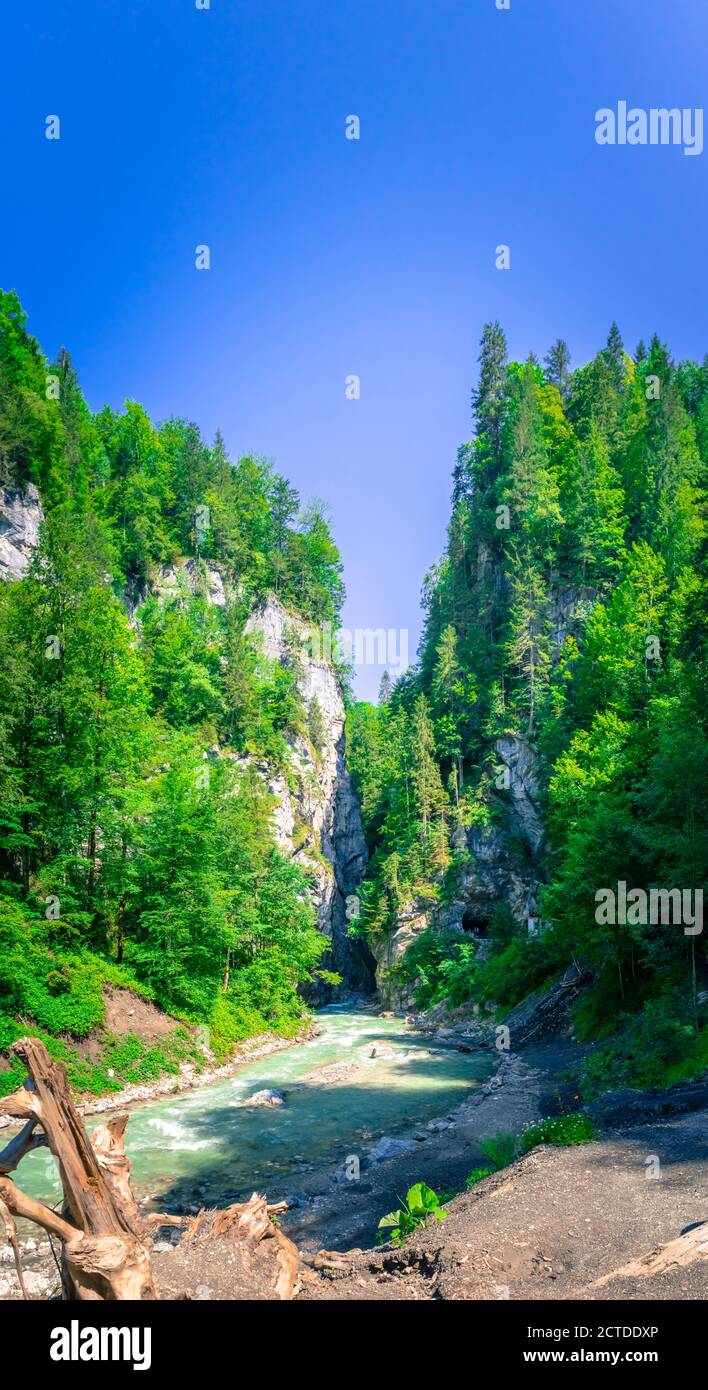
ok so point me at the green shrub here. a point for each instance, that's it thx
(658, 1046)
(559, 1129)
(477, 1175)
(499, 1149)
(524, 965)
(421, 1202)
(441, 966)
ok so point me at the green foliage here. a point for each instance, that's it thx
(136, 844)
(499, 1149)
(569, 611)
(559, 1129)
(421, 1203)
(660, 1045)
(477, 1176)
(522, 966)
(440, 965)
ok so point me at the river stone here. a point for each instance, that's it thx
(388, 1147)
(266, 1097)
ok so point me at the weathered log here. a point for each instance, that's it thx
(23, 1143)
(107, 1143)
(684, 1250)
(105, 1253)
(261, 1260)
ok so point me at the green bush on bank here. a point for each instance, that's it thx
(558, 1129)
(662, 1044)
(442, 967)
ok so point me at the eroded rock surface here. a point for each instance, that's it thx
(20, 518)
(318, 821)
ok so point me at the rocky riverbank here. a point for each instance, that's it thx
(189, 1078)
(546, 1227)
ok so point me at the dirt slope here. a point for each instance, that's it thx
(549, 1226)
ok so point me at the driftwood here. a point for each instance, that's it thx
(106, 1243)
(684, 1250)
(105, 1252)
(262, 1262)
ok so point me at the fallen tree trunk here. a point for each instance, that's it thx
(105, 1252)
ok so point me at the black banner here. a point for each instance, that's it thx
(187, 1338)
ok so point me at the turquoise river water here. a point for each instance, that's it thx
(205, 1144)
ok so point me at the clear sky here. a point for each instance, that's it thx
(330, 256)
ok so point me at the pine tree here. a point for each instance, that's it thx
(385, 689)
(427, 783)
(614, 354)
(557, 363)
(593, 508)
(488, 397)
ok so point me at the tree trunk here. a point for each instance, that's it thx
(105, 1253)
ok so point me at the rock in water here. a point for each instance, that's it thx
(266, 1097)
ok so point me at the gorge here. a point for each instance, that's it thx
(205, 836)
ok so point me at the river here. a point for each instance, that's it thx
(207, 1145)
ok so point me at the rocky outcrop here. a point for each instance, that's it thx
(202, 578)
(390, 947)
(522, 781)
(547, 1010)
(569, 608)
(500, 862)
(20, 519)
(317, 818)
(505, 856)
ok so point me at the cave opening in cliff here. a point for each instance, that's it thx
(475, 921)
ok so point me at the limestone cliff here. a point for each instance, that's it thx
(316, 817)
(319, 823)
(20, 518)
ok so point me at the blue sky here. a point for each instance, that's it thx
(330, 256)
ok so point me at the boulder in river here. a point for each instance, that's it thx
(266, 1097)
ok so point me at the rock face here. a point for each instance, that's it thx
(319, 822)
(203, 578)
(20, 517)
(390, 947)
(504, 865)
(316, 817)
(569, 608)
(546, 1011)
